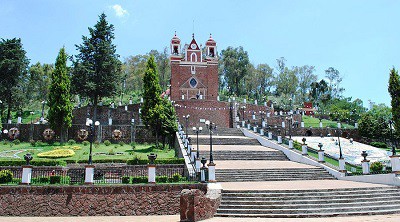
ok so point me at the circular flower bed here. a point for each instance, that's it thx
(60, 153)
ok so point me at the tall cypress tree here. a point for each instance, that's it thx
(394, 90)
(97, 70)
(60, 112)
(151, 90)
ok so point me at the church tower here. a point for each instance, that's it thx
(194, 70)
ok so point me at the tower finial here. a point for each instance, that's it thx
(193, 35)
(175, 33)
(210, 36)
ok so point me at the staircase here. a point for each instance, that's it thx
(309, 203)
(225, 140)
(247, 155)
(286, 174)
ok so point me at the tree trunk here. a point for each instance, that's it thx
(9, 105)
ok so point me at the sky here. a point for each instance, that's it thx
(360, 38)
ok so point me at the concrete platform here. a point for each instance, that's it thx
(233, 147)
(297, 185)
(258, 164)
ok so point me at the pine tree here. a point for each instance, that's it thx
(60, 112)
(394, 90)
(151, 91)
(97, 70)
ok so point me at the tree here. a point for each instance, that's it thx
(60, 112)
(286, 80)
(305, 75)
(235, 62)
(38, 82)
(319, 93)
(13, 69)
(335, 79)
(394, 91)
(97, 70)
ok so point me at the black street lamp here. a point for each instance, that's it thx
(340, 148)
(243, 107)
(290, 119)
(197, 130)
(391, 138)
(187, 123)
(89, 123)
(210, 126)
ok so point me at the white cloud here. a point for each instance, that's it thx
(119, 11)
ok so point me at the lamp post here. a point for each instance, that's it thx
(340, 148)
(290, 101)
(211, 165)
(197, 130)
(89, 123)
(42, 117)
(391, 137)
(290, 119)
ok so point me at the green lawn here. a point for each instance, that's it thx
(100, 152)
(314, 122)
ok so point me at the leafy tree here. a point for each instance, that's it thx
(60, 112)
(305, 75)
(335, 79)
(38, 81)
(319, 93)
(235, 62)
(97, 70)
(394, 90)
(286, 80)
(13, 69)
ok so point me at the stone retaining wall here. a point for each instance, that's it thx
(123, 200)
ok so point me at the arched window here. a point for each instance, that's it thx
(193, 57)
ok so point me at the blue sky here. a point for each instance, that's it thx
(360, 38)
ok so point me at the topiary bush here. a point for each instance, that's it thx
(6, 176)
(96, 144)
(126, 179)
(139, 179)
(133, 145)
(161, 179)
(175, 178)
(55, 179)
(85, 143)
(43, 180)
(376, 166)
(32, 142)
(121, 143)
(59, 153)
(379, 144)
(107, 142)
(71, 142)
(16, 141)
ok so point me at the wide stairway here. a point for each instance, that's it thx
(259, 181)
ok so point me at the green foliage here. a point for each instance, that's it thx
(96, 144)
(379, 144)
(60, 111)
(161, 179)
(138, 161)
(376, 166)
(126, 180)
(32, 142)
(133, 145)
(139, 180)
(373, 127)
(16, 141)
(111, 152)
(59, 153)
(6, 176)
(97, 70)
(394, 91)
(85, 143)
(175, 178)
(55, 179)
(43, 180)
(107, 142)
(121, 143)
(235, 62)
(71, 142)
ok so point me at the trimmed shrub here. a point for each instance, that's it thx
(137, 161)
(16, 141)
(33, 162)
(96, 144)
(139, 179)
(107, 142)
(43, 180)
(161, 179)
(32, 142)
(71, 142)
(121, 143)
(59, 153)
(55, 179)
(111, 152)
(85, 143)
(379, 144)
(133, 145)
(126, 179)
(175, 178)
(376, 166)
(6, 176)
(39, 143)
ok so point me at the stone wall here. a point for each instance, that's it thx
(298, 131)
(122, 200)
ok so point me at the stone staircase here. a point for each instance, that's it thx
(247, 155)
(221, 131)
(309, 203)
(285, 174)
(227, 141)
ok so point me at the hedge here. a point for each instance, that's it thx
(157, 161)
(33, 162)
(59, 153)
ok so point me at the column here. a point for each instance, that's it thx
(151, 173)
(321, 156)
(365, 166)
(26, 174)
(304, 150)
(270, 135)
(290, 144)
(395, 161)
(255, 129)
(211, 173)
(89, 174)
(302, 124)
(279, 139)
(261, 132)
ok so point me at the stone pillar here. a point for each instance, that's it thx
(217, 98)
(89, 174)
(342, 165)
(151, 173)
(261, 132)
(263, 124)
(203, 171)
(244, 101)
(248, 126)
(243, 123)
(320, 124)
(365, 166)
(356, 125)
(9, 121)
(304, 150)
(255, 102)
(270, 135)
(290, 144)
(26, 174)
(255, 129)
(268, 115)
(283, 124)
(126, 108)
(395, 161)
(109, 121)
(198, 165)
(339, 125)
(193, 154)
(211, 173)
(302, 124)
(279, 139)
(19, 120)
(321, 156)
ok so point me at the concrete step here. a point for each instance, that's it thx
(228, 141)
(247, 155)
(309, 203)
(222, 131)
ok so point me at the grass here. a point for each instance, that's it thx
(100, 152)
(314, 122)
